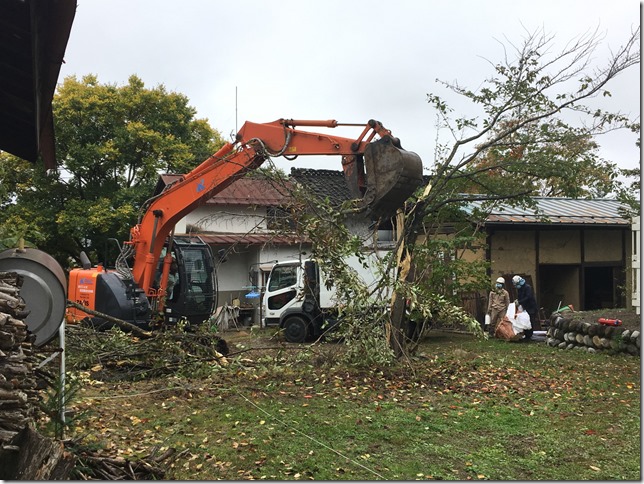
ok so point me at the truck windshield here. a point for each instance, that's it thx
(282, 277)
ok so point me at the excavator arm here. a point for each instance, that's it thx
(379, 173)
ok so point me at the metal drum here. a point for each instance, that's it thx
(43, 289)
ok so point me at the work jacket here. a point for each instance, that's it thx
(499, 300)
(525, 296)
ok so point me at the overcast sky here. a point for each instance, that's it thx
(349, 60)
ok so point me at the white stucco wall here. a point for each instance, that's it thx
(230, 218)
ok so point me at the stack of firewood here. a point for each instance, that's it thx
(567, 333)
(24, 453)
(17, 381)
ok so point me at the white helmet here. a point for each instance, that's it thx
(516, 280)
(500, 280)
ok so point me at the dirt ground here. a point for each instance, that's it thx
(628, 317)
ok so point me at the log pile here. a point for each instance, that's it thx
(24, 453)
(18, 394)
(567, 333)
(31, 457)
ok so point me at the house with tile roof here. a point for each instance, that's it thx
(574, 252)
(244, 222)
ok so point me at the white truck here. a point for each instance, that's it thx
(298, 300)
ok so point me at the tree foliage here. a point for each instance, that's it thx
(112, 144)
(542, 115)
(363, 309)
(536, 135)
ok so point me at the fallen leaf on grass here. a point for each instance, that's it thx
(595, 468)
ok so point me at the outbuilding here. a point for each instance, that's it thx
(576, 252)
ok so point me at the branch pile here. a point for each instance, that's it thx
(94, 466)
(114, 355)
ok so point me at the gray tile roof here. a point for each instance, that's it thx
(323, 183)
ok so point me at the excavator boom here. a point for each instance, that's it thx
(392, 175)
(380, 174)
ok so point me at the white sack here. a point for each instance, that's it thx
(510, 312)
(521, 322)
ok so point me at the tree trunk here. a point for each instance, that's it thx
(398, 327)
(396, 330)
(31, 457)
(124, 325)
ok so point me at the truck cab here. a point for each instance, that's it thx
(287, 289)
(302, 301)
(296, 301)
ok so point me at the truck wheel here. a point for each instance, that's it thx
(296, 329)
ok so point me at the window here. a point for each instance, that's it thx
(283, 277)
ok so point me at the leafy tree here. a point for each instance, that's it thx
(112, 144)
(524, 144)
(15, 174)
(536, 138)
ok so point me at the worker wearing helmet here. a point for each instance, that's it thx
(497, 304)
(525, 298)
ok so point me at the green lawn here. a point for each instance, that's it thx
(463, 409)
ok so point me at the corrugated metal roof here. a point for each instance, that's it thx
(250, 190)
(560, 211)
(248, 239)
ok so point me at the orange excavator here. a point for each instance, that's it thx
(380, 174)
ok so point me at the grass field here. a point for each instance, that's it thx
(462, 409)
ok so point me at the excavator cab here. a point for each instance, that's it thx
(193, 294)
(392, 176)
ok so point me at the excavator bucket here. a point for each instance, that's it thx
(393, 175)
